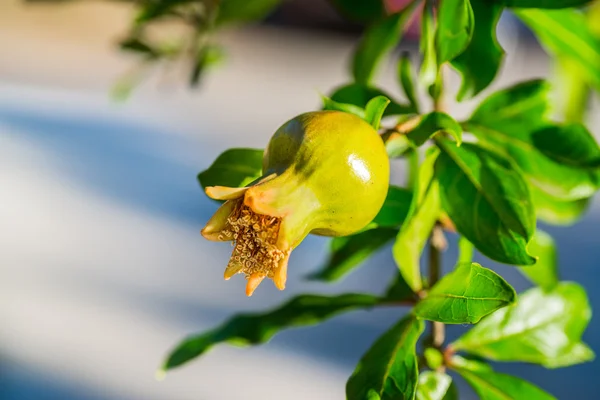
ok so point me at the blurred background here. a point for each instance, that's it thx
(103, 267)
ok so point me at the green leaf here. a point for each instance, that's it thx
(251, 329)
(397, 146)
(348, 252)
(556, 211)
(566, 34)
(466, 295)
(433, 385)
(433, 123)
(389, 368)
(329, 104)
(421, 218)
(545, 3)
(570, 144)
(480, 61)
(455, 25)
(359, 95)
(150, 11)
(208, 56)
(360, 10)
(545, 271)
(233, 168)
(542, 328)
(239, 11)
(488, 201)
(405, 76)
(430, 67)
(434, 358)
(395, 207)
(506, 122)
(491, 385)
(465, 251)
(377, 41)
(140, 46)
(374, 110)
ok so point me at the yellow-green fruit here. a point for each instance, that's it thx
(325, 172)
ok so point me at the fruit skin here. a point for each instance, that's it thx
(342, 159)
(324, 172)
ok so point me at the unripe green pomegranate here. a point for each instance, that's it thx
(324, 172)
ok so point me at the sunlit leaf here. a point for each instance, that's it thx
(252, 329)
(374, 110)
(480, 61)
(233, 168)
(544, 272)
(570, 144)
(545, 3)
(329, 104)
(405, 76)
(465, 295)
(506, 122)
(377, 41)
(566, 34)
(465, 251)
(432, 124)
(418, 224)
(487, 200)
(455, 24)
(544, 327)
(491, 385)
(556, 211)
(348, 252)
(359, 95)
(433, 385)
(389, 368)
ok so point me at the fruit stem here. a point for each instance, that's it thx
(438, 329)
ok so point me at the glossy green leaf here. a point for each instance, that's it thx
(434, 358)
(419, 222)
(348, 252)
(378, 40)
(542, 328)
(239, 11)
(570, 144)
(432, 124)
(433, 385)
(465, 251)
(374, 110)
(429, 68)
(455, 24)
(364, 11)
(329, 104)
(555, 211)
(566, 34)
(506, 122)
(487, 200)
(359, 95)
(251, 329)
(545, 271)
(388, 371)
(545, 3)
(491, 385)
(480, 61)
(466, 295)
(233, 168)
(397, 146)
(405, 76)
(395, 207)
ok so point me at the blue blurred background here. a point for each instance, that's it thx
(103, 268)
